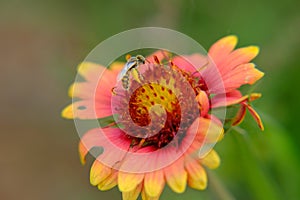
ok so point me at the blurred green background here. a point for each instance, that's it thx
(41, 43)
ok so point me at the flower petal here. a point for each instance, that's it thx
(197, 177)
(67, 112)
(243, 74)
(203, 103)
(222, 48)
(190, 63)
(145, 196)
(207, 128)
(176, 176)
(228, 99)
(232, 98)
(231, 66)
(109, 182)
(211, 160)
(256, 117)
(82, 90)
(85, 109)
(129, 181)
(238, 57)
(254, 96)
(116, 67)
(160, 54)
(154, 183)
(99, 172)
(88, 141)
(95, 93)
(90, 71)
(208, 132)
(132, 195)
(239, 116)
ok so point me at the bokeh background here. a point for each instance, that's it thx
(41, 43)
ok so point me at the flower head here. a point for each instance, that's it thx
(162, 127)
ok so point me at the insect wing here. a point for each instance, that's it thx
(122, 73)
(128, 66)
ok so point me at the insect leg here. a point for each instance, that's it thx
(136, 75)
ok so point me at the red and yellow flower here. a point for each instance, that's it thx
(165, 120)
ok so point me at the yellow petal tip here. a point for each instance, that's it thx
(231, 39)
(82, 152)
(260, 74)
(71, 90)
(82, 67)
(211, 160)
(198, 185)
(178, 183)
(67, 112)
(94, 180)
(128, 181)
(85, 68)
(254, 96)
(253, 50)
(82, 161)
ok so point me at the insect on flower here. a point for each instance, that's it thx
(130, 66)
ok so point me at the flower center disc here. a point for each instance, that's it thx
(158, 108)
(161, 102)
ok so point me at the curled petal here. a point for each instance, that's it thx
(154, 183)
(132, 195)
(239, 117)
(211, 160)
(176, 176)
(232, 98)
(129, 181)
(256, 117)
(254, 96)
(197, 177)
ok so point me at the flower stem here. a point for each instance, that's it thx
(217, 188)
